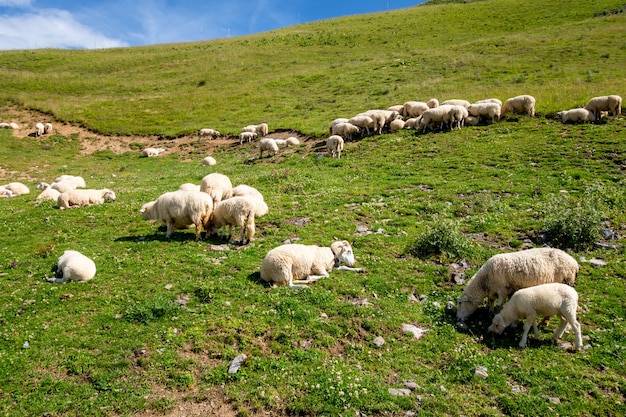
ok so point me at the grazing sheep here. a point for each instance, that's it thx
(245, 190)
(414, 108)
(180, 210)
(238, 211)
(47, 193)
(291, 141)
(189, 187)
(73, 266)
(396, 125)
(505, 273)
(486, 110)
(334, 146)
(209, 160)
(364, 122)
(218, 186)
(294, 264)
(210, 133)
(490, 100)
(17, 188)
(432, 103)
(575, 115)
(40, 129)
(455, 117)
(611, 104)
(382, 117)
(521, 104)
(269, 145)
(281, 143)
(396, 107)
(345, 130)
(471, 121)
(546, 300)
(457, 102)
(261, 130)
(152, 152)
(247, 137)
(84, 198)
(47, 128)
(411, 123)
(336, 122)
(434, 117)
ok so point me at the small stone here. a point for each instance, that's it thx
(595, 262)
(362, 229)
(379, 341)
(169, 286)
(236, 363)
(412, 385)
(219, 248)
(399, 392)
(480, 372)
(26, 345)
(554, 400)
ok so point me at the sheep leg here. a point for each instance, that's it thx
(170, 229)
(527, 326)
(347, 268)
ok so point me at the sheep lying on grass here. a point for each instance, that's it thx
(545, 300)
(505, 273)
(4, 193)
(209, 160)
(16, 188)
(238, 211)
(73, 266)
(84, 198)
(65, 183)
(296, 264)
(575, 116)
(47, 193)
(180, 210)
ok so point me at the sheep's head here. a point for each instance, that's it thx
(465, 307)
(497, 325)
(146, 211)
(343, 252)
(109, 195)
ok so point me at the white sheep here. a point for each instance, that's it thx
(411, 123)
(66, 183)
(180, 210)
(210, 133)
(47, 193)
(189, 187)
(471, 121)
(4, 193)
(382, 117)
(14, 126)
(611, 104)
(434, 117)
(247, 137)
(545, 300)
(261, 130)
(486, 110)
(396, 107)
(5, 126)
(364, 122)
(209, 160)
(575, 115)
(47, 128)
(152, 152)
(432, 103)
(238, 211)
(414, 108)
(73, 266)
(504, 273)
(345, 130)
(292, 141)
(281, 143)
(39, 129)
(334, 146)
(457, 102)
(455, 117)
(218, 186)
(84, 198)
(296, 264)
(523, 104)
(396, 125)
(243, 190)
(269, 145)
(490, 100)
(17, 188)
(335, 122)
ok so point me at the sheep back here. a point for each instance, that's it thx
(290, 262)
(218, 186)
(74, 266)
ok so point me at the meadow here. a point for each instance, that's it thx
(155, 331)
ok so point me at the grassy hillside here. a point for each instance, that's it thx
(154, 332)
(303, 76)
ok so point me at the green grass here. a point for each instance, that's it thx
(157, 327)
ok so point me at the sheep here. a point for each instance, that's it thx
(245, 190)
(73, 266)
(490, 100)
(455, 117)
(335, 122)
(504, 273)
(5, 126)
(39, 129)
(281, 143)
(297, 264)
(432, 103)
(209, 160)
(238, 211)
(84, 198)
(17, 188)
(546, 300)
(66, 183)
(457, 102)
(396, 107)
(47, 128)
(414, 108)
(47, 193)
(152, 152)
(523, 103)
(575, 115)
(291, 141)
(612, 104)
(345, 130)
(411, 123)
(211, 133)
(269, 145)
(189, 187)
(261, 130)
(434, 116)
(14, 126)
(396, 125)
(471, 121)
(247, 137)
(179, 210)
(364, 122)
(4, 193)
(334, 146)
(382, 117)
(218, 186)
(487, 110)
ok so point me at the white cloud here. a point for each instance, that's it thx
(50, 28)
(15, 3)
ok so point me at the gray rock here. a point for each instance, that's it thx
(379, 341)
(399, 392)
(236, 363)
(597, 262)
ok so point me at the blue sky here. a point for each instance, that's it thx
(88, 24)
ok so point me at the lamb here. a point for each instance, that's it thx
(179, 210)
(523, 104)
(39, 129)
(457, 102)
(247, 136)
(261, 130)
(297, 264)
(611, 104)
(414, 108)
(487, 110)
(47, 193)
(218, 186)
(411, 123)
(504, 273)
(84, 198)
(334, 146)
(152, 152)
(364, 122)
(281, 143)
(238, 211)
(382, 117)
(396, 125)
(269, 145)
(17, 188)
(471, 121)
(73, 266)
(546, 300)
(575, 115)
(210, 133)
(345, 130)
(291, 141)
(209, 160)
(47, 128)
